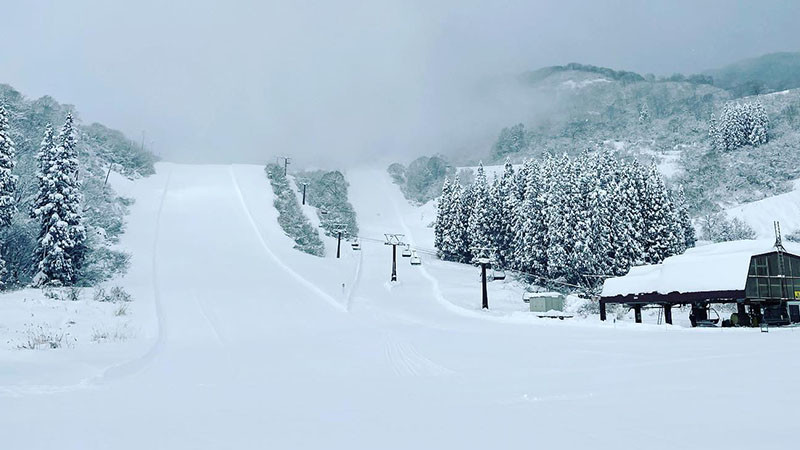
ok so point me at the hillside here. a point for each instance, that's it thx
(665, 121)
(99, 148)
(767, 73)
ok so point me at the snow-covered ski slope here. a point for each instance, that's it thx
(253, 344)
(762, 214)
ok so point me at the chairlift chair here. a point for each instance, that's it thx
(415, 260)
(356, 245)
(497, 274)
(407, 252)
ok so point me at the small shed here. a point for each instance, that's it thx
(760, 275)
(544, 301)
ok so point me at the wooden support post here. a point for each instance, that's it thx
(602, 310)
(668, 314)
(637, 312)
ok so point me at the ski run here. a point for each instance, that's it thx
(237, 340)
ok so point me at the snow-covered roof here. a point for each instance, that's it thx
(713, 267)
(542, 294)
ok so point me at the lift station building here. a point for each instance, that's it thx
(762, 277)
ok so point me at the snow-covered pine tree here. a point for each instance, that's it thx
(683, 219)
(601, 209)
(505, 202)
(442, 224)
(461, 224)
(44, 158)
(627, 225)
(659, 240)
(560, 214)
(8, 182)
(479, 226)
(644, 114)
(529, 250)
(584, 256)
(61, 245)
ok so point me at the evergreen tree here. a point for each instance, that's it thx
(504, 206)
(627, 225)
(61, 244)
(479, 226)
(560, 212)
(442, 224)
(530, 231)
(462, 214)
(659, 239)
(7, 182)
(683, 219)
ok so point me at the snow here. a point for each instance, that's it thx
(713, 267)
(244, 342)
(580, 84)
(761, 214)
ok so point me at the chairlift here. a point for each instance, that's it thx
(407, 252)
(497, 274)
(415, 260)
(356, 245)
(323, 211)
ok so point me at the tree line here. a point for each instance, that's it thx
(61, 244)
(563, 218)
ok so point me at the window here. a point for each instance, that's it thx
(772, 258)
(763, 287)
(795, 266)
(761, 265)
(775, 288)
(751, 289)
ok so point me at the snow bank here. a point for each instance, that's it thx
(715, 267)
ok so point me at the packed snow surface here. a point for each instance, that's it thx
(761, 214)
(713, 267)
(246, 343)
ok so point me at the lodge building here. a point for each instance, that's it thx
(761, 277)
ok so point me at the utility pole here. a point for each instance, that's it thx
(286, 161)
(394, 240)
(107, 174)
(304, 192)
(484, 261)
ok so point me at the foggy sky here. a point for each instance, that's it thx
(331, 83)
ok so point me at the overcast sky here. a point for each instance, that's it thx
(333, 82)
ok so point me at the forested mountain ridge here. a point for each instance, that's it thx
(663, 120)
(98, 147)
(668, 121)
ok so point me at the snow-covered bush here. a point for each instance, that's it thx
(739, 124)
(719, 228)
(115, 295)
(44, 337)
(290, 216)
(794, 236)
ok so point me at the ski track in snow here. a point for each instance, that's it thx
(305, 282)
(212, 323)
(406, 360)
(137, 365)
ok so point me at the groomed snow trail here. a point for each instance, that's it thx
(261, 347)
